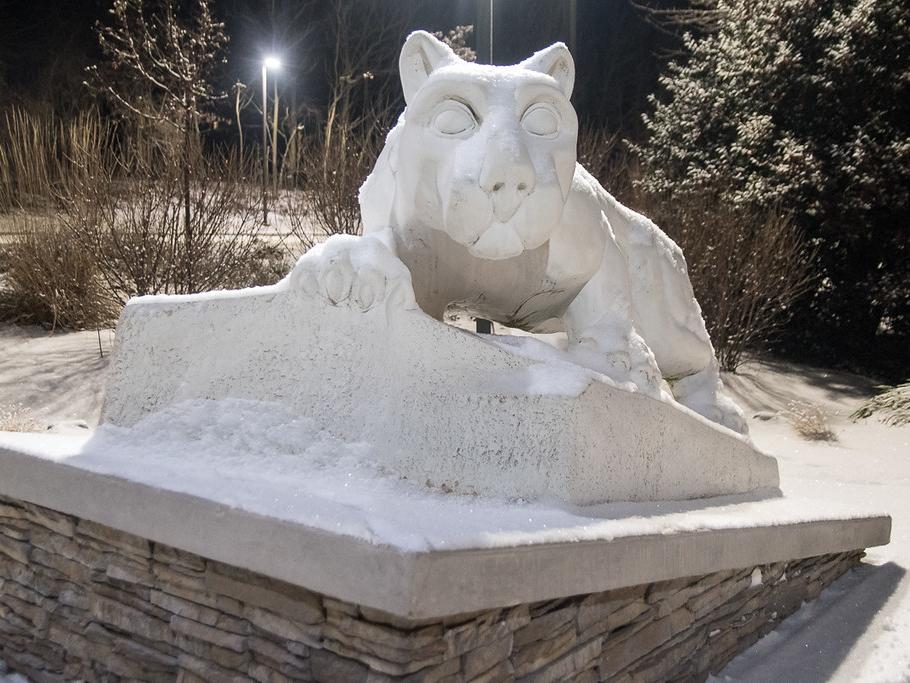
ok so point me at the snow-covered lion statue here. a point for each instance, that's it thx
(478, 193)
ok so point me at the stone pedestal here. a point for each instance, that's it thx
(104, 578)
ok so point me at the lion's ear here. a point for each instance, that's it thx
(421, 55)
(555, 61)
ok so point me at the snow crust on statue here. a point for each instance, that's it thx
(477, 191)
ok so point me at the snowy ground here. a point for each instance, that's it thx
(858, 630)
(55, 378)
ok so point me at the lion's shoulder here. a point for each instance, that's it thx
(377, 193)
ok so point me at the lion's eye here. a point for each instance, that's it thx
(454, 119)
(540, 120)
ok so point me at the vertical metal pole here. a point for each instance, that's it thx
(491, 31)
(265, 146)
(275, 137)
(573, 25)
(484, 31)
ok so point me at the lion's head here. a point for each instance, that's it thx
(485, 153)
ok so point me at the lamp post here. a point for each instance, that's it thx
(274, 64)
(484, 31)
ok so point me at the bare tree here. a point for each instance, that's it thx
(694, 15)
(125, 209)
(159, 61)
(366, 39)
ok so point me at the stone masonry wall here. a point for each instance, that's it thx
(82, 601)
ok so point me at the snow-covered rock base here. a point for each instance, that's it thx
(349, 351)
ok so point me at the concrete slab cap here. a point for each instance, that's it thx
(437, 403)
(433, 583)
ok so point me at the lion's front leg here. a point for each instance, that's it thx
(356, 272)
(601, 331)
(701, 391)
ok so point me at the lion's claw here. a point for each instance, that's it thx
(357, 272)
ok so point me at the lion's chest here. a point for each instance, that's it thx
(517, 291)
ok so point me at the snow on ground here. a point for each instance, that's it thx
(859, 630)
(10, 677)
(58, 377)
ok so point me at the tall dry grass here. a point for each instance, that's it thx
(891, 405)
(96, 216)
(37, 150)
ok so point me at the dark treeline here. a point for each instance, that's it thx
(620, 50)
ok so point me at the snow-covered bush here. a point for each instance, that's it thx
(810, 421)
(804, 105)
(49, 278)
(891, 405)
(458, 39)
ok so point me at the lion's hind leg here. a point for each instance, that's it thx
(670, 320)
(600, 328)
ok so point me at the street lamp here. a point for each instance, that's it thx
(272, 63)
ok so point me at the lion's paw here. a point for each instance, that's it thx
(728, 414)
(702, 392)
(356, 272)
(621, 359)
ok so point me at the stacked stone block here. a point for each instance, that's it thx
(83, 601)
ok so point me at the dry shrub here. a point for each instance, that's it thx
(747, 269)
(266, 264)
(809, 421)
(51, 279)
(335, 167)
(302, 233)
(17, 418)
(606, 157)
(126, 208)
(891, 405)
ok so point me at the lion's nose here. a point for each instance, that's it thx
(515, 179)
(506, 202)
(507, 184)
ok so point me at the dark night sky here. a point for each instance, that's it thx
(46, 44)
